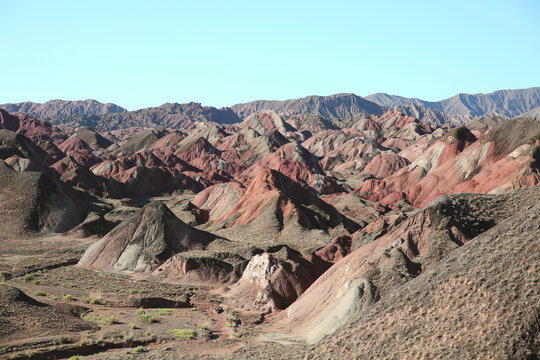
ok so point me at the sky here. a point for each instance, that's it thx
(145, 53)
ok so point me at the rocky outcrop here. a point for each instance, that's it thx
(205, 268)
(466, 305)
(144, 241)
(32, 201)
(273, 281)
(13, 144)
(412, 247)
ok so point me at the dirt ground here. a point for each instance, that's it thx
(125, 311)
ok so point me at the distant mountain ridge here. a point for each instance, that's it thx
(508, 103)
(338, 106)
(57, 108)
(458, 109)
(168, 115)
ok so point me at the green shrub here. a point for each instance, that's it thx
(140, 349)
(204, 332)
(145, 317)
(40, 293)
(101, 320)
(63, 340)
(187, 334)
(160, 312)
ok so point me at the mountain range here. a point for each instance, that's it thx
(509, 103)
(456, 110)
(335, 232)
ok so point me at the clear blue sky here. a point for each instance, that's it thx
(140, 54)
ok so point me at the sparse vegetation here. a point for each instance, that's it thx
(95, 298)
(187, 334)
(140, 349)
(101, 320)
(203, 326)
(40, 293)
(145, 317)
(31, 353)
(204, 331)
(128, 337)
(68, 297)
(86, 339)
(63, 340)
(150, 334)
(161, 312)
(232, 318)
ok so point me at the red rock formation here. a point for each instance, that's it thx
(206, 157)
(266, 121)
(219, 199)
(336, 250)
(30, 127)
(384, 164)
(80, 151)
(73, 174)
(109, 168)
(142, 181)
(294, 161)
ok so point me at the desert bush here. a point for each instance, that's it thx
(63, 340)
(160, 312)
(140, 349)
(145, 317)
(187, 334)
(101, 320)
